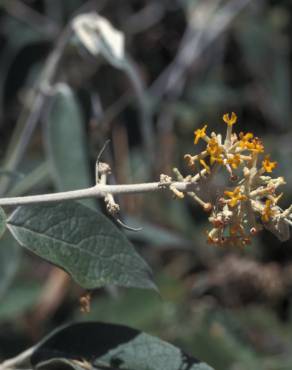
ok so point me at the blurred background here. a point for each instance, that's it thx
(187, 62)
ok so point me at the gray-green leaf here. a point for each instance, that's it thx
(81, 241)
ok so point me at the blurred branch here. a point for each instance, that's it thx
(147, 17)
(32, 110)
(24, 13)
(194, 43)
(110, 113)
(39, 174)
(208, 22)
(144, 108)
(56, 286)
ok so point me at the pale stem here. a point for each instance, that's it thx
(97, 191)
(227, 142)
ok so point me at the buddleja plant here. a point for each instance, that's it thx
(87, 245)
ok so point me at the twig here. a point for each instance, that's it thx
(97, 191)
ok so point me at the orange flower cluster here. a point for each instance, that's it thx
(250, 202)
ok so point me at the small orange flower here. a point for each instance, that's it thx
(230, 119)
(214, 150)
(200, 133)
(244, 142)
(234, 161)
(268, 166)
(267, 211)
(235, 196)
(256, 146)
(204, 164)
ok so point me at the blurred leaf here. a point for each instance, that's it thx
(54, 11)
(259, 41)
(83, 242)
(37, 176)
(21, 34)
(18, 35)
(66, 145)
(140, 308)
(116, 346)
(220, 338)
(19, 299)
(70, 7)
(98, 36)
(2, 222)
(9, 261)
(157, 236)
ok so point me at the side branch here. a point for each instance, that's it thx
(97, 191)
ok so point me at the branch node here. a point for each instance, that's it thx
(111, 206)
(164, 181)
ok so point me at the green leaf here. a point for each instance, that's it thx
(65, 139)
(81, 241)
(113, 346)
(9, 260)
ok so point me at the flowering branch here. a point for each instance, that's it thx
(97, 191)
(248, 204)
